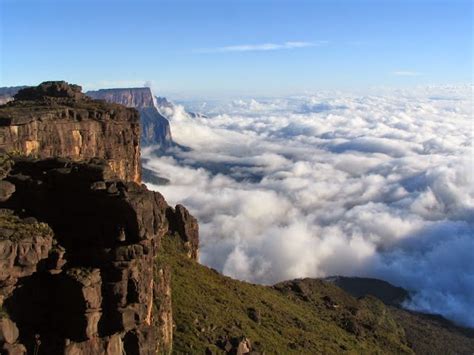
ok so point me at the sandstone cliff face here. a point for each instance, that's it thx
(56, 120)
(79, 237)
(155, 128)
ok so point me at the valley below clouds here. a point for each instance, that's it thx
(379, 186)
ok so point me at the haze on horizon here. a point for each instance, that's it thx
(233, 48)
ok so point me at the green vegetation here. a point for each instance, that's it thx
(302, 317)
(434, 335)
(13, 227)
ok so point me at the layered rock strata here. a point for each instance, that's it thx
(56, 120)
(79, 237)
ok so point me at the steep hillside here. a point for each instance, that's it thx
(214, 314)
(425, 333)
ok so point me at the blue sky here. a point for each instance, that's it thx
(231, 46)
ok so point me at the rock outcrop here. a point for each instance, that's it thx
(79, 237)
(155, 128)
(186, 226)
(56, 120)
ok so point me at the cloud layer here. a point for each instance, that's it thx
(334, 184)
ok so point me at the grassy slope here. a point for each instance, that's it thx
(208, 306)
(434, 335)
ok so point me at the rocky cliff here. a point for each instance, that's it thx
(155, 128)
(56, 120)
(79, 237)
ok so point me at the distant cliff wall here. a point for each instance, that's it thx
(155, 128)
(57, 120)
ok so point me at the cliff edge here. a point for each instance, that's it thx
(56, 119)
(78, 235)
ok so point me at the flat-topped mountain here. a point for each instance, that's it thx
(130, 97)
(155, 128)
(56, 119)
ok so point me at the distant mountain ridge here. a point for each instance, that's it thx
(363, 286)
(155, 128)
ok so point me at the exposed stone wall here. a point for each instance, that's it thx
(100, 299)
(78, 235)
(56, 120)
(187, 227)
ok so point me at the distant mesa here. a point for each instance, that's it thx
(155, 128)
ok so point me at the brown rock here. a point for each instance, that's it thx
(8, 331)
(183, 223)
(6, 190)
(164, 314)
(79, 183)
(244, 347)
(254, 314)
(109, 283)
(13, 349)
(55, 119)
(50, 89)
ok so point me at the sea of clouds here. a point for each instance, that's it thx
(379, 185)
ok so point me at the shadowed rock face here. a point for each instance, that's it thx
(55, 119)
(100, 295)
(186, 226)
(155, 128)
(92, 267)
(79, 236)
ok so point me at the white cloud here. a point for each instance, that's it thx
(328, 184)
(264, 46)
(406, 73)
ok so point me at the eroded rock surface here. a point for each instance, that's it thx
(187, 227)
(110, 231)
(55, 119)
(78, 235)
